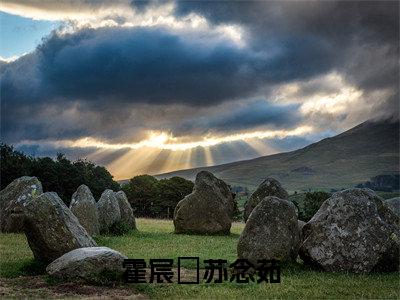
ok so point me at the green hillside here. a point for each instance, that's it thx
(354, 156)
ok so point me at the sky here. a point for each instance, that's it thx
(156, 86)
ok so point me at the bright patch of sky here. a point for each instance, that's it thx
(22, 35)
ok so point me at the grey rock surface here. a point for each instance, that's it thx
(11, 199)
(126, 210)
(352, 231)
(109, 211)
(269, 187)
(394, 204)
(52, 229)
(208, 209)
(87, 263)
(271, 232)
(301, 224)
(84, 207)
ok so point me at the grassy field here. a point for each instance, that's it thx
(156, 240)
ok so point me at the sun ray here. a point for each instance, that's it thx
(208, 156)
(260, 147)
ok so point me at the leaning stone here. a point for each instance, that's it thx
(269, 187)
(352, 231)
(208, 209)
(52, 229)
(12, 197)
(87, 263)
(271, 232)
(84, 207)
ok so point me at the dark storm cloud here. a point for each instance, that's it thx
(112, 69)
(363, 36)
(251, 115)
(88, 83)
(155, 66)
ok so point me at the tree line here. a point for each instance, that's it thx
(148, 196)
(58, 175)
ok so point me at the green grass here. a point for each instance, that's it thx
(156, 240)
(16, 257)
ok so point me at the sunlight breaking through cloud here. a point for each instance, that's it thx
(164, 141)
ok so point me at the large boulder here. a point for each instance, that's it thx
(208, 209)
(108, 210)
(352, 231)
(125, 210)
(84, 207)
(271, 232)
(12, 197)
(394, 204)
(269, 187)
(52, 229)
(87, 263)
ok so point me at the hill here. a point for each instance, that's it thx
(352, 157)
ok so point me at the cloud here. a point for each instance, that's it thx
(119, 69)
(76, 77)
(242, 116)
(362, 36)
(54, 10)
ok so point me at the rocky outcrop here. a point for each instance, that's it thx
(271, 232)
(269, 187)
(87, 263)
(352, 231)
(84, 207)
(208, 209)
(12, 199)
(109, 211)
(126, 210)
(52, 229)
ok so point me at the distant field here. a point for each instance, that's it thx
(156, 240)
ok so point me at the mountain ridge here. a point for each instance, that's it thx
(351, 157)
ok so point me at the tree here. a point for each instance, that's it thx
(142, 192)
(171, 191)
(312, 202)
(13, 164)
(95, 177)
(60, 175)
(152, 198)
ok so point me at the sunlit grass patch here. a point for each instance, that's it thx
(155, 239)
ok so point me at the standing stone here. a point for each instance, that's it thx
(269, 187)
(208, 209)
(87, 263)
(271, 232)
(352, 231)
(12, 198)
(125, 210)
(84, 207)
(108, 210)
(52, 229)
(394, 204)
